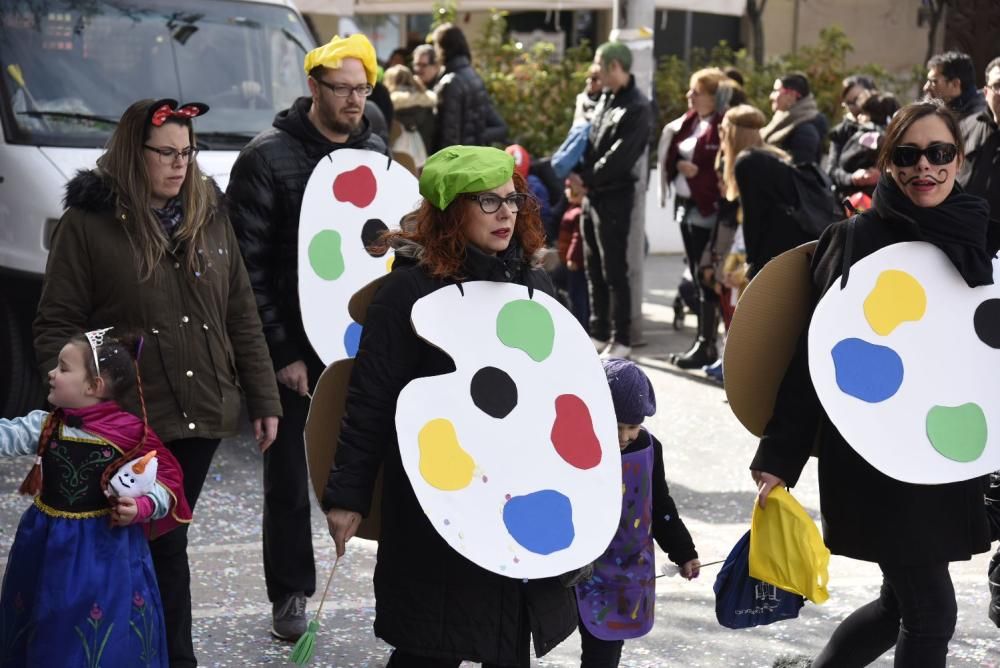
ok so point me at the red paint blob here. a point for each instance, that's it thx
(573, 433)
(357, 186)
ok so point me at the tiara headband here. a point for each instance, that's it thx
(166, 108)
(96, 339)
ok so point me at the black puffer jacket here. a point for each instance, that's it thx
(465, 114)
(619, 133)
(265, 196)
(429, 599)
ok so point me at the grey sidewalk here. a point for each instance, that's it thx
(706, 453)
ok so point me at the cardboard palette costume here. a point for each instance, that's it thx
(431, 599)
(351, 198)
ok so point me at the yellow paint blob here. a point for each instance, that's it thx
(443, 462)
(896, 298)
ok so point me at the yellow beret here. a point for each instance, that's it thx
(332, 55)
(463, 169)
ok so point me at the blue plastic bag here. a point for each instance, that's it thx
(742, 602)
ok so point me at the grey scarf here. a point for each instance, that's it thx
(784, 122)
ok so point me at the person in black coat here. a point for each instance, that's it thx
(850, 99)
(435, 606)
(265, 196)
(798, 126)
(912, 531)
(981, 172)
(465, 113)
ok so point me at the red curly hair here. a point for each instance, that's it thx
(441, 233)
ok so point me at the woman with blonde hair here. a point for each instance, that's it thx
(145, 245)
(689, 165)
(414, 109)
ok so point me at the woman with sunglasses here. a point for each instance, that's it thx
(145, 245)
(477, 223)
(911, 531)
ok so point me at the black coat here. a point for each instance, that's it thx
(766, 190)
(265, 196)
(980, 173)
(866, 514)
(465, 114)
(619, 133)
(429, 599)
(805, 142)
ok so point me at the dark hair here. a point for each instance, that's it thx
(441, 233)
(451, 40)
(880, 107)
(909, 115)
(863, 81)
(993, 63)
(796, 81)
(120, 371)
(955, 65)
(734, 74)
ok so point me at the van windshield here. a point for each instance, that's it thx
(70, 68)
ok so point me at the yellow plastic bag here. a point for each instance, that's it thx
(786, 549)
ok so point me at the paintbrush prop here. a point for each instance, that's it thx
(306, 645)
(670, 570)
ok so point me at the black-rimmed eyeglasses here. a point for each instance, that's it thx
(345, 90)
(169, 156)
(490, 202)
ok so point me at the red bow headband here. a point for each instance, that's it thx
(166, 108)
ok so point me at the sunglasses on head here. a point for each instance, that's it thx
(938, 153)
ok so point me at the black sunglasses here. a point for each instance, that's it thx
(937, 154)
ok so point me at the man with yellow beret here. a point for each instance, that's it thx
(265, 196)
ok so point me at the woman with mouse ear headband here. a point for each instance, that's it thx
(145, 244)
(911, 531)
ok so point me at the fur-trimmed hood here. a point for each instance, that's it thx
(90, 191)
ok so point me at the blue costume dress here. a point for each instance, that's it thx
(77, 591)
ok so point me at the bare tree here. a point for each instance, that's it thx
(755, 12)
(931, 12)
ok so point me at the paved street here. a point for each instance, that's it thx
(706, 452)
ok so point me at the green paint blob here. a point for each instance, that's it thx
(325, 256)
(959, 432)
(526, 325)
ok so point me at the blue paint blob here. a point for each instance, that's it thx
(866, 371)
(352, 337)
(540, 522)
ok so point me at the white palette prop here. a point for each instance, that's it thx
(352, 196)
(507, 483)
(904, 360)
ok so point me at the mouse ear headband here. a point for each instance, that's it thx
(161, 110)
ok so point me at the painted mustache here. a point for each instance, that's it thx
(939, 179)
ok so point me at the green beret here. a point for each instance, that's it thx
(464, 169)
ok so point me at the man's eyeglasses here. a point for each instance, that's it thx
(490, 202)
(594, 78)
(345, 90)
(169, 156)
(938, 153)
(995, 87)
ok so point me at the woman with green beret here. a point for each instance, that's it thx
(434, 606)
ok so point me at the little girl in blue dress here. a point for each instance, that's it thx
(79, 588)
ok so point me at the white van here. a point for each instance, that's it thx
(70, 68)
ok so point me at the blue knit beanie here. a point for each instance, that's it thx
(631, 391)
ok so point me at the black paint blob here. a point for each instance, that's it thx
(371, 237)
(494, 392)
(987, 322)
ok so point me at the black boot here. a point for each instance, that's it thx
(703, 352)
(678, 313)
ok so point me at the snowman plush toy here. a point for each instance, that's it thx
(135, 478)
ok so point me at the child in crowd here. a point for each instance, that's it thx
(79, 589)
(617, 602)
(570, 246)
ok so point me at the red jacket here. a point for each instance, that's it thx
(705, 184)
(570, 245)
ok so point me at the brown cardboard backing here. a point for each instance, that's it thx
(770, 317)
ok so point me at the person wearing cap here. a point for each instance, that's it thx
(798, 126)
(648, 513)
(127, 253)
(435, 607)
(265, 196)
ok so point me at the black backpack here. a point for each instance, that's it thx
(816, 206)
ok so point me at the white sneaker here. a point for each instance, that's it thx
(616, 349)
(599, 345)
